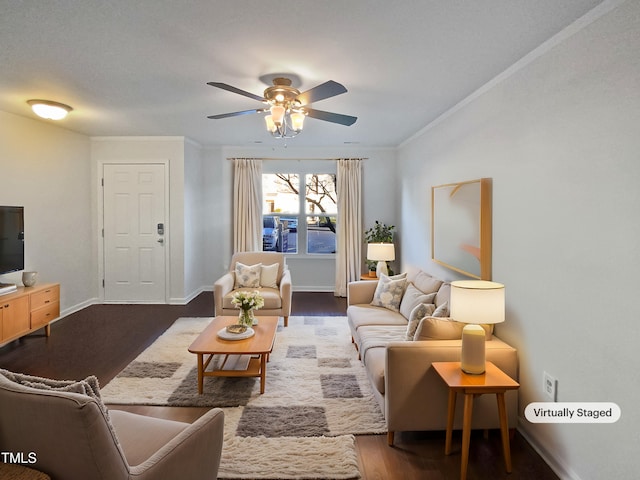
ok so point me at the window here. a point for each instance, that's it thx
(296, 223)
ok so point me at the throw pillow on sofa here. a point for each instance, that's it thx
(389, 292)
(412, 298)
(442, 310)
(416, 315)
(432, 328)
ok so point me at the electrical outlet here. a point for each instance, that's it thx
(550, 386)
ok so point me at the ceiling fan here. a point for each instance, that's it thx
(288, 107)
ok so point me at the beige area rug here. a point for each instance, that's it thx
(317, 398)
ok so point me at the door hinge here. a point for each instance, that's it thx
(102, 181)
(103, 283)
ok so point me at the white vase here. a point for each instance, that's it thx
(29, 278)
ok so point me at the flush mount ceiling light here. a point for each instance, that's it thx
(287, 108)
(49, 109)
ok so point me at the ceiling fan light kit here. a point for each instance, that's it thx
(287, 107)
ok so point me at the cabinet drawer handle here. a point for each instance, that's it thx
(47, 301)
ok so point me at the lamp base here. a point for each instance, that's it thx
(382, 268)
(472, 359)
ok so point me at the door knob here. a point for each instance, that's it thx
(161, 241)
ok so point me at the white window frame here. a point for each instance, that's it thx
(302, 168)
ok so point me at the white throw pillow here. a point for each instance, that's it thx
(248, 276)
(269, 276)
(412, 298)
(389, 293)
(442, 310)
(417, 314)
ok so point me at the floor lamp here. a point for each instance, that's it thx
(475, 302)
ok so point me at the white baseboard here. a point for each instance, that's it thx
(559, 467)
(313, 288)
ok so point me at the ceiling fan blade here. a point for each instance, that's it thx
(322, 91)
(331, 117)
(229, 88)
(236, 114)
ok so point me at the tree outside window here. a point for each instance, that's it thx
(283, 203)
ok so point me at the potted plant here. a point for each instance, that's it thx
(379, 233)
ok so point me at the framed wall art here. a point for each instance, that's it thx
(461, 227)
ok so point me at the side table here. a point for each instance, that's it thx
(493, 380)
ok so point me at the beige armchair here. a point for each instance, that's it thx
(70, 436)
(277, 296)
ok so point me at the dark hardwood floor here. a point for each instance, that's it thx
(101, 340)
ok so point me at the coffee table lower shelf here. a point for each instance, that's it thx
(256, 367)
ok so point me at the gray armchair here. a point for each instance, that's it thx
(71, 438)
(277, 299)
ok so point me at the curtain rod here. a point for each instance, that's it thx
(297, 159)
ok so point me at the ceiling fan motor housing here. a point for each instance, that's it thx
(282, 93)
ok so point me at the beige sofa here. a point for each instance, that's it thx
(410, 393)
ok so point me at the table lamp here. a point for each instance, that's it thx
(382, 253)
(475, 302)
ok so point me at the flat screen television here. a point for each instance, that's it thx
(11, 239)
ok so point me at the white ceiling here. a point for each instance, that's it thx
(141, 67)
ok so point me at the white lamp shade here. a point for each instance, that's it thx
(297, 121)
(381, 252)
(270, 125)
(277, 112)
(477, 301)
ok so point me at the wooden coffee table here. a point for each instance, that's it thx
(208, 344)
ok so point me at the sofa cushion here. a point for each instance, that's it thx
(248, 276)
(417, 314)
(359, 315)
(389, 292)
(432, 328)
(272, 299)
(374, 336)
(426, 283)
(269, 275)
(412, 298)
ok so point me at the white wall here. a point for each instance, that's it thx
(46, 169)
(561, 139)
(194, 214)
(310, 273)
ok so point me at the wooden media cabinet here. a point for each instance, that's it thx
(28, 309)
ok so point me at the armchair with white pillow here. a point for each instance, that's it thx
(266, 272)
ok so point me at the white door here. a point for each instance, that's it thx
(134, 210)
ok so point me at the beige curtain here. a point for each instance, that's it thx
(349, 241)
(247, 205)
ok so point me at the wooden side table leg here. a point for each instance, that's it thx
(263, 372)
(504, 430)
(451, 413)
(466, 434)
(200, 373)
